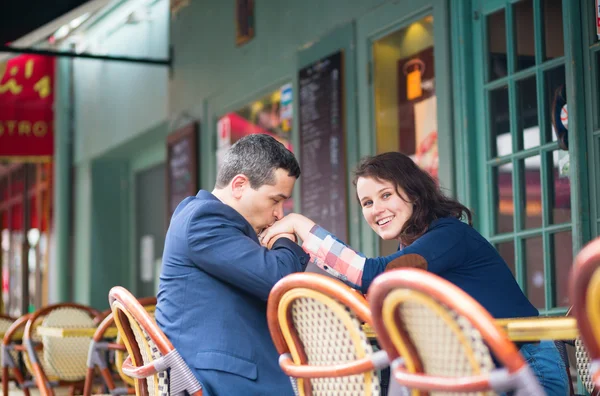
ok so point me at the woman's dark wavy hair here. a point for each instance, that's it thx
(429, 203)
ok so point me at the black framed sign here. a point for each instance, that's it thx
(322, 147)
(182, 166)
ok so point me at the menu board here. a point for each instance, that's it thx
(182, 166)
(321, 121)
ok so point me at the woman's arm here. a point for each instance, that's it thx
(327, 252)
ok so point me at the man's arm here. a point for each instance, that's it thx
(218, 246)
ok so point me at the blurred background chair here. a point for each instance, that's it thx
(107, 354)
(153, 361)
(443, 337)
(12, 356)
(584, 288)
(315, 322)
(58, 355)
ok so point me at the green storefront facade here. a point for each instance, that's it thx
(489, 76)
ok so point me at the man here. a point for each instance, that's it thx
(216, 277)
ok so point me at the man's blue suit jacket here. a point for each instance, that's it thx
(212, 299)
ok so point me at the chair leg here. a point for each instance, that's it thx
(5, 380)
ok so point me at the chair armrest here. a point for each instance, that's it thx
(138, 372)
(360, 366)
(445, 384)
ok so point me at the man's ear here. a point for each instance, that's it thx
(238, 184)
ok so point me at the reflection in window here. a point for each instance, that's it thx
(501, 139)
(563, 260)
(536, 281)
(560, 187)
(523, 12)
(555, 78)
(507, 252)
(503, 198)
(528, 132)
(533, 192)
(496, 41)
(553, 29)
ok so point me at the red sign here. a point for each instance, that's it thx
(26, 107)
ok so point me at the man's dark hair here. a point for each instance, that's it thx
(257, 157)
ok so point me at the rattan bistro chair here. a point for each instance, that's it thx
(315, 323)
(441, 333)
(54, 360)
(584, 288)
(153, 361)
(12, 350)
(97, 357)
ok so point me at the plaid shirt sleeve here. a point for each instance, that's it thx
(334, 257)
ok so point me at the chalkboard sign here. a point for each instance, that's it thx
(323, 183)
(182, 166)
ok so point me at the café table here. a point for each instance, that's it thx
(62, 332)
(528, 329)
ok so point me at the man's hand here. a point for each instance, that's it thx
(291, 237)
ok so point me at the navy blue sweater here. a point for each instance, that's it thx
(456, 252)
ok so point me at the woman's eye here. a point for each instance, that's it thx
(367, 203)
(386, 195)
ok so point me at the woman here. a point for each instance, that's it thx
(401, 201)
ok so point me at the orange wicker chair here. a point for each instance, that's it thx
(56, 361)
(153, 361)
(316, 325)
(97, 356)
(585, 294)
(443, 336)
(12, 349)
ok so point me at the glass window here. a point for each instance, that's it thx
(503, 198)
(536, 281)
(507, 252)
(531, 184)
(270, 114)
(525, 115)
(404, 89)
(553, 29)
(525, 44)
(501, 139)
(562, 243)
(496, 43)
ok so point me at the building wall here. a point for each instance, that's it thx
(208, 64)
(118, 107)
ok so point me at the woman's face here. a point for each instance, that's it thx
(384, 210)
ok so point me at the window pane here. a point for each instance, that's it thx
(553, 29)
(503, 198)
(496, 41)
(563, 260)
(525, 36)
(598, 89)
(533, 192)
(404, 91)
(529, 131)
(555, 80)
(507, 252)
(560, 187)
(499, 122)
(534, 262)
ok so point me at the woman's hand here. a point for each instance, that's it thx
(291, 224)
